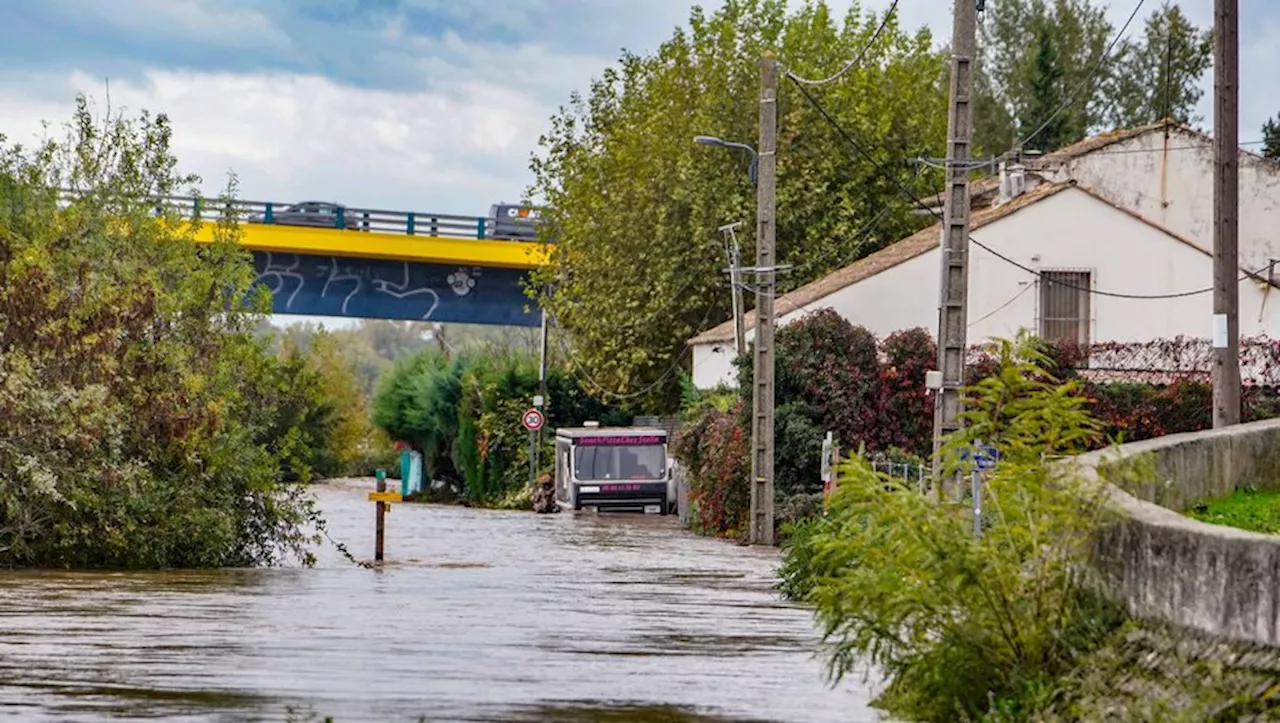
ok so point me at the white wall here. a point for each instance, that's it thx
(1071, 231)
(1174, 188)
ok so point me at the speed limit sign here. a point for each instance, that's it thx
(533, 420)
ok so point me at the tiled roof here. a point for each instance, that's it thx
(915, 245)
(886, 258)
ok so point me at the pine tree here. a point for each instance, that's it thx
(1271, 138)
(1045, 122)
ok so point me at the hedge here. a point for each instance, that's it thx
(834, 376)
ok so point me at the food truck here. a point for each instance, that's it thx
(614, 469)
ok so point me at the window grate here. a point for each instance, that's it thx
(1065, 306)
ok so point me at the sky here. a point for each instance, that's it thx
(425, 105)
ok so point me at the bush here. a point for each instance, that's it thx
(144, 425)
(898, 579)
(463, 414)
(713, 448)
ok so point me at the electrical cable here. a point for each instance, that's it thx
(858, 59)
(1088, 79)
(582, 374)
(911, 194)
(1001, 307)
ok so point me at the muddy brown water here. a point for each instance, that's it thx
(477, 616)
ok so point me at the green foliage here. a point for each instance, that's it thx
(463, 413)
(634, 204)
(144, 425)
(1041, 114)
(1159, 75)
(899, 581)
(1008, 72)
(1245, 509)
(713, 447)
(1020, 83)
(1271, 138)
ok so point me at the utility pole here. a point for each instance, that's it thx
(762, 393)
(1226, 213)
(541, 399)
(953, 299)
(733, 254)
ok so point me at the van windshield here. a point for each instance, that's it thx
(608, 462)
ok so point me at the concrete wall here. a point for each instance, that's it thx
(1169, 567)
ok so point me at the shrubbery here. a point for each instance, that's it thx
(833, 376)
(463, 413)
(143, 423)
(966, 625)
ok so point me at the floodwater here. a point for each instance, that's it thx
(477, 616)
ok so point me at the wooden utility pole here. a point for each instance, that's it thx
(953, 299)
(766, 274)
(1226, 213)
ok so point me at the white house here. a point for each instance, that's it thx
(1163, 172)
(1065, 232)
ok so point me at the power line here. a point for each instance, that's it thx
(911, 194)
(849, 65)
(582, 373)
(1088, 79)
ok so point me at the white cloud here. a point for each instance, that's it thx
(290, 137)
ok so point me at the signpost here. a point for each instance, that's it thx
(533, 420)
(384, 500)
(984, 458)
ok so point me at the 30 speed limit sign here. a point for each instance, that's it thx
(533, 420)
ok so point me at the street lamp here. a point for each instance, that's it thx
(719, 143)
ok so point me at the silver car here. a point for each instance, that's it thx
(310, 213)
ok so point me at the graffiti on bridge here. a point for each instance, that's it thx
(380, 289)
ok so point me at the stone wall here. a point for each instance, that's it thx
(1171, 568)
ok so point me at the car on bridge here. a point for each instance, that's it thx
(322, 214)
(514, 222)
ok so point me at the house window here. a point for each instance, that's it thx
(1064, 306)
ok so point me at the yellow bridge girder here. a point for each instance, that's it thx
(389, 246)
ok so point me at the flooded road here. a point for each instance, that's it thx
(477, 616)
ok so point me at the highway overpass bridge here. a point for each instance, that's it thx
(324, 259)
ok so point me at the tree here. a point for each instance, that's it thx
(634, 205)
(1158, 76)
(1043, 118)
(1010, 84)
(1271, 138)
(140, 425)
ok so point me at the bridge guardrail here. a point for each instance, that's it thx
(410, 223)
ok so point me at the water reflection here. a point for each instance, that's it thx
(477, 616)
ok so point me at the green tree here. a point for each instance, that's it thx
(1271, 138)
(1158, 76)
(135, 429)
(1042, 117)
(634, 204)
(1010, 79)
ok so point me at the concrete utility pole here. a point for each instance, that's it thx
(953, 300)
(762, 394)
(1226, 213)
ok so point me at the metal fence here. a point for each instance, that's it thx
(917, 474)
(329, 215)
